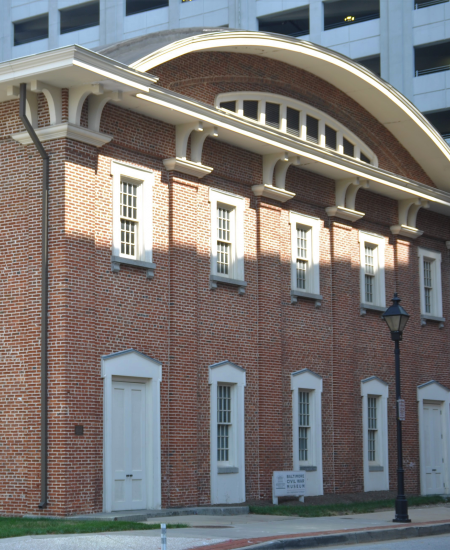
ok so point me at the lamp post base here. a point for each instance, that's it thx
(401, 510)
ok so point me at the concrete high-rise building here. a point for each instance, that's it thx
(407, 42)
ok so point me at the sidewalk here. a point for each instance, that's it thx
(232, 532)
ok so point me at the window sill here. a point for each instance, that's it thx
(214, 279)
(295, 294)
(376, 469)
(116, 262)
(227, 470)
(371, 307)
(424, 317)
(308, 468)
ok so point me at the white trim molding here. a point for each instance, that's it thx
(304, 110)
(306, 381)
(309, 285)
(143, 179)
(233, 272)
(64, 130)
(376, 299)
(430, 286)
(376, 472)
(433, 393)
(228, 477)
(131, 365)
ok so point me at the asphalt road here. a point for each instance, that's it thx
(441, 542)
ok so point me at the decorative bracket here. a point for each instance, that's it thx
(77, 97)
(96, 103)
(180, 163)
(277, 163)
(53, 97)
(346, 190)
(13, 92)
(407, 217)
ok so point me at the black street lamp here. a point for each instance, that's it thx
(396, 319)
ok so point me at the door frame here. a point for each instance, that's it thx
(434, 392)
(133, 366)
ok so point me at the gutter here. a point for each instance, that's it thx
(44, 294)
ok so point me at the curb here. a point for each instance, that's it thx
(352, 537)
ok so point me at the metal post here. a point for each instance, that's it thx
(401, 504)
(163, 537)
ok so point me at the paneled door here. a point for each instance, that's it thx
(434, 448)
(128, 446)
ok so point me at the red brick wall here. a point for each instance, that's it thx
(177, 320)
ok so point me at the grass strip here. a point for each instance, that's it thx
(20, 527)
(322, 510)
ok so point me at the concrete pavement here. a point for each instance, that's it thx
(259, 532)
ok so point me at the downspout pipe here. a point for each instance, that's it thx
(44, 294)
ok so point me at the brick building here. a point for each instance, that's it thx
(228, 216)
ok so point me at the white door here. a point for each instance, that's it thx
(434, 449)
(128, 446)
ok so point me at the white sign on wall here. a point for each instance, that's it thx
(285, 484)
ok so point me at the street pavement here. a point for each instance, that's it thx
(232, 532)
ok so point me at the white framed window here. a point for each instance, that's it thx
(430, 284)
(297, 119)
(306, 389)
(375, 393)
(227, 382)
(305, 274)
(372, 279)
(132, 217)
(227, 243)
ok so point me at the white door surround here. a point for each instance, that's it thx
(434, 402)
(130, 370)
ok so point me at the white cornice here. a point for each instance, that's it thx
(381, 99)
(65, 130)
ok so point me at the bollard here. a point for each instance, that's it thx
(163, 537)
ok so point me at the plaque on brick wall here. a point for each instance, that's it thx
(401, 409)
(79, 430)
(286, 484)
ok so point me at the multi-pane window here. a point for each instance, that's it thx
(303, 425)
(349, 148)
(372, 427)
(293, 121)
(369, 276)
(273, 115)
(373, 292)
(223, 240)
(302, 257)
(128, 218)
(251, 109)
(330, 137)
(312, 129)
(428, 284)
(223, 422)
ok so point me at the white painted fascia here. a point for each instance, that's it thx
(37, 65)
(284, 143)
(356, 81)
